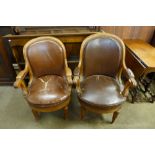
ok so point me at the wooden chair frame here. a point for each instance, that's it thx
(20, 83)
(78, 75)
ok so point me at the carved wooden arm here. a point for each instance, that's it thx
(69, 75)
(19, 83)
(130, 83)
(76, 79)
(76, 75)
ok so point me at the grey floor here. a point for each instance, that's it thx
(15, 113)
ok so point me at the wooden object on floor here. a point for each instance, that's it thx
(152, 42)
(28, 30)
(7, 73)
(72, 38)
(131, 32)
(140, 57)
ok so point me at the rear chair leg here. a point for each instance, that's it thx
(115, 115)
(82, 112)
(36, 115)
(66, 112)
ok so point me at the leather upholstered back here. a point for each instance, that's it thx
(102, 55)
(46, 57)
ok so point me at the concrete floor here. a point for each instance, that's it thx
(15, 113)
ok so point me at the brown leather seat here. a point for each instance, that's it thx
(50, 82)
(98, 75)
(101, 91)
(48, 90)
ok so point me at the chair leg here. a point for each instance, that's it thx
(66, 112)
(82, 112)
(115, 115)
(36, 115)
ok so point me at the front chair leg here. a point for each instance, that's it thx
(36, 114)
(115, 115)
(66, 112)
(82, 112)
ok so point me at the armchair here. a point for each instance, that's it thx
(98, 77)
(49, 87)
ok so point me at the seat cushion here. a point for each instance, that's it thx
(101, 91)
(48, 90)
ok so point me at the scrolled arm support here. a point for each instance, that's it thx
(76, 75)
(76, 79)
(19, 83)
(69, 76)
(130, 83)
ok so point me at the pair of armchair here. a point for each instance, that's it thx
(97, 77)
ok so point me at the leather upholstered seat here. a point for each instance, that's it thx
(101, 91)
(49, 87)
(98, 76)
(48, 90)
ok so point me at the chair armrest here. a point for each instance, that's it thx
(76, 75)
(76, 71)
(19, 83)
(76, 79)
(131, 82)
(69, 75)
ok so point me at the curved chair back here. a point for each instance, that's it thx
(101, 54)
(45, 56)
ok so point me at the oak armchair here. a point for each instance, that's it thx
(49, 87)
(98, 77)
